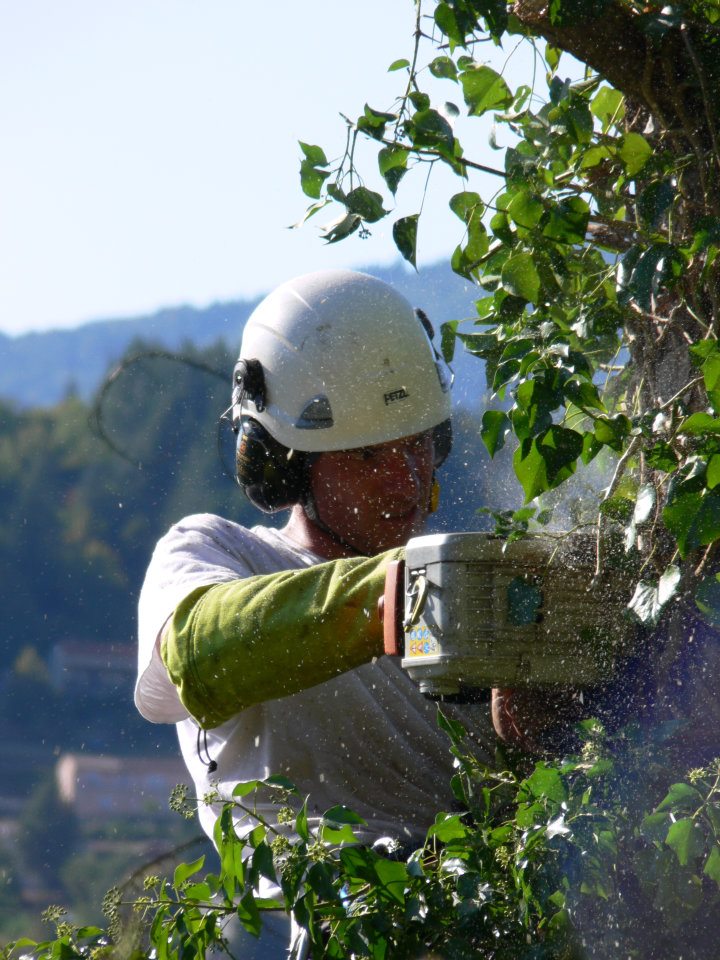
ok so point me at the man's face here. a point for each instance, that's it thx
(375, 498)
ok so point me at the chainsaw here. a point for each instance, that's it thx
(471, 611)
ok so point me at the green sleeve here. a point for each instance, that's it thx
(231, 645)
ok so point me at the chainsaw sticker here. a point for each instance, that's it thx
(420, 643)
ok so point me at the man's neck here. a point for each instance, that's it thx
(301, 529)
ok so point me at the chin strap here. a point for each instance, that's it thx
(311, 512)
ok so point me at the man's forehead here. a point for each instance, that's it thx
(412, 440)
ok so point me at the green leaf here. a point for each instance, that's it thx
(700, 423)
(398, 65)
(393, 878)
(467, 205)
(448, 827)
(428, 128)
(484, 89)
(567, 221)
(373, 122)
(693, 518)
(495, 425)
(650, 599)
(405, 237)
(312, 179)
(608, 106)
(525, 209)
(707, 598)
(520, 278)
(712, 865)
(681, 796)
(342, 814)
(315, 154)
(262, 862)
(524, 601)
(185, 870)
(635, 153)
(301, 823)
(198, 891)
(245, 787)
(686, 840)
(249, 915)
(448, 339)
(543, 463)
(545, 783)
(392, 162)
(366, 203)
(341, 228)
(443, 68)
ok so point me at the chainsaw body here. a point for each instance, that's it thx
(471, 611)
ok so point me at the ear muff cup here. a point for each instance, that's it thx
(271, 476)
(442, 442)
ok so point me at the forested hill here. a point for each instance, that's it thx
(39, 369)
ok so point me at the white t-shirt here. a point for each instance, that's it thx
(367, 739)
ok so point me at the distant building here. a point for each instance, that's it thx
(101, 670)
(101, 788)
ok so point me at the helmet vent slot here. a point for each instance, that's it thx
(317, 415)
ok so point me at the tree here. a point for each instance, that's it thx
(596, 263)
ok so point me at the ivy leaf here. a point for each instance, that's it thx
(428, 128)
(495, 425)
(373, 122)
(650, 599)
(392, 162)
(520, 278)
(686, 840)
(635, 153)
(608, 106)
(525, 209)
(312, 177)
(366, 203)
(405, 237)
(568, 221)
(693, 518)
(444, 68)
(712, 865)
(543, 463)
(249, 915)
(484, 89)
(185, 870)
(546, 783)
(699, 423)
(707, 599)
(341, 228)
(467, 205)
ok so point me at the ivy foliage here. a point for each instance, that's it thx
(555, 859)
(596, 256)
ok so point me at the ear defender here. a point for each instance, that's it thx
(271, 476)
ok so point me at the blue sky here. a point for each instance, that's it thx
(150, 150)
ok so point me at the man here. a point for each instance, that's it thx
(264, 645)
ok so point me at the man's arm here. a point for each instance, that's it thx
(232, 645)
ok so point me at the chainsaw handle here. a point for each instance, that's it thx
(391, 607)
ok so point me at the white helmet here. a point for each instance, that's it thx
(335, 360)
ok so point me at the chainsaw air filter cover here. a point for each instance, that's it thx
(481, 612)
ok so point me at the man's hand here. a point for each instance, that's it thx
(536, 719)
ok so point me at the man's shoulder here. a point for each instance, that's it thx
(263, 549)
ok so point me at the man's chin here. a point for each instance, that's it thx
(393, 531)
